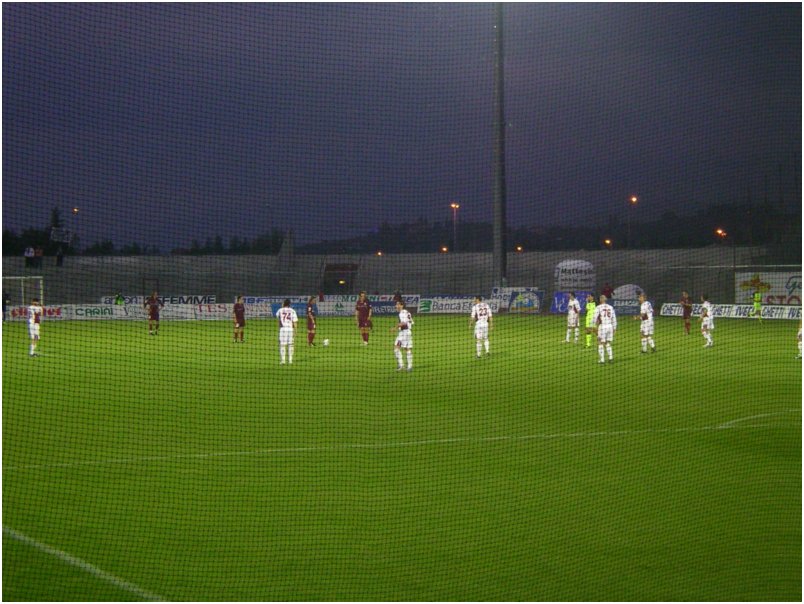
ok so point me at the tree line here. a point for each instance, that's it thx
(743, 224)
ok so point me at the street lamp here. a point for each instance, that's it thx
(454, 207)
(632, 201)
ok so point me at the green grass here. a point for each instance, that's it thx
(198, 469)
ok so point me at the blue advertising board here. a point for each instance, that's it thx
(561, 299)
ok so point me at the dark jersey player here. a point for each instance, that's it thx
(311, 307)
(152, 306)
(686, 311)
(239, 318)
(363, 317)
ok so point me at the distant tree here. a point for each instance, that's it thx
(12, 243)
(235, 247)
(132, 249)
(102, 248)
(55, 218)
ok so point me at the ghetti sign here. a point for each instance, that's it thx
(573, 275)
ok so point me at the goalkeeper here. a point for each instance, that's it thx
(591, 328)
(757, 310)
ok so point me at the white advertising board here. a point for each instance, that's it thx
(778, 288)
(736, 311)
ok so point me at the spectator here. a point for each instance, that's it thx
(29, 256)
(60, 256)
(607, 291)
(39, 253)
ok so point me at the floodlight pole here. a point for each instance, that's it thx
(500, 259)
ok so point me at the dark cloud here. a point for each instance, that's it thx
(173, 122)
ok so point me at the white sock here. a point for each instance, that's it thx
(33, 347)
(576, 334)
(600, 352)
(290, 353)
(282, 354)
(410, 359)
(608, 349)
(651, 343)
(479, 347)
(569, 333)
(644, 345)
(486, 344)
(398, 355)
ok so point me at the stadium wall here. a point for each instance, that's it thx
(662, 273)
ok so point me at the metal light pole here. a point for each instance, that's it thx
(499, 257)
(454, 207)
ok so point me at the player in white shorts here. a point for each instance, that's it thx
(404, 337)
(707, 321)
(35, 312)
(573, 317)
(646, 327)
(481, 317)
(287, 330)
(606, 321)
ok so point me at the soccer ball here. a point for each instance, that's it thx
(326, 342)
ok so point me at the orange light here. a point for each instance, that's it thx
(519, 248)
(444, 249)
(379, 253)
(454, 205)
(607, 241)
(75, 210)
(721, 233)
(634, 199)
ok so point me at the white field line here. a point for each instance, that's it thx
(733, 424)
(84, 565)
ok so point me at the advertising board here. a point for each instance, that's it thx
(452, 305)
(561, 299)
(167, 300)
(736, 311)
(572, 275)
(777, 288)
(525, 300)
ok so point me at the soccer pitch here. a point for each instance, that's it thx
(187, 467)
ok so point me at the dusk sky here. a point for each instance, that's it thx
(166, 123)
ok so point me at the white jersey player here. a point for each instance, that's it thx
(606, 321)
(646, 326)
(573, 317)
(481, 317)
(35, 313)
(798, 340)
(707, 320)
(404, 337)
(287, 330)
